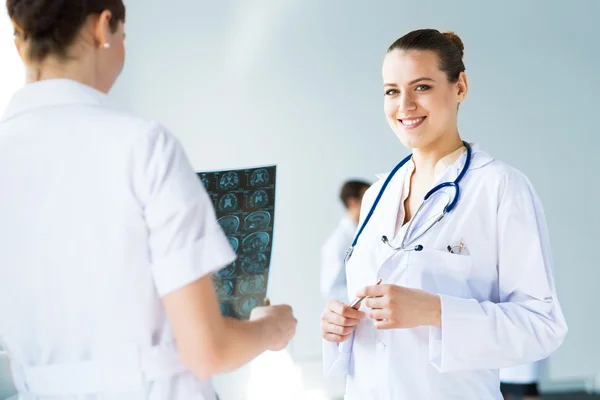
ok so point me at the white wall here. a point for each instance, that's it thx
(297, 83)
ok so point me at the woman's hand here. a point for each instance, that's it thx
(339, 321)
(394, 307)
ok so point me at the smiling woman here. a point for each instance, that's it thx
(484, 270)
(12, 77)
(434, 66)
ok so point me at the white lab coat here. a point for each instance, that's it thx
(522, 374)
(102, 215)
(333, 268)
(499, 303)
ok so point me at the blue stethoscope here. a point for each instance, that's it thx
(404, 245)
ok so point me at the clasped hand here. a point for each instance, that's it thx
(394, 307)
(390, 306)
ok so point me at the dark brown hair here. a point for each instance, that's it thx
(51, 26)
(352, 189)
(448, 47)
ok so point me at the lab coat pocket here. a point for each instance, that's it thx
(440, 272)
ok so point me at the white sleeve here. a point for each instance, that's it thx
(527, 324)
(185, 241)
(336, 357)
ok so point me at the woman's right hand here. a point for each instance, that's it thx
(279, 324)
(338, 321)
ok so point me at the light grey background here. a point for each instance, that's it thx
(298, 83)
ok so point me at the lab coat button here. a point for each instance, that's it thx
(380, 346)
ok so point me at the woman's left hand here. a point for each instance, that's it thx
(394, 307)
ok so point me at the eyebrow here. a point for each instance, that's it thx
(411, 82)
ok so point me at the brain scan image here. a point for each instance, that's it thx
(244, 203)
(259, 177)
(229, 180)
(257, 221)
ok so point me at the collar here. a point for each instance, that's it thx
(455, 160)
(53, 92)
(347, 223)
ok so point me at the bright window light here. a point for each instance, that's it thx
(275, 376)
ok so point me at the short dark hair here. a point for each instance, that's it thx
(51, 26)
(448, 47)
(352, 189)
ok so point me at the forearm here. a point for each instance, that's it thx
(241, 342)
(432, 311)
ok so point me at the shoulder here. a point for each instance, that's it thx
(370, 195)
(507, 180)
(342, 235)
(128, 125)
(143, 137)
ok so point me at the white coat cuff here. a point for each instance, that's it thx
(188, 264)
(444, 342)
(336, 357)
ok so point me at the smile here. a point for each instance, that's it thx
(412, 123)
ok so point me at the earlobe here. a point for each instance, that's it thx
(462, 86)
(18, 47)
(101, 31)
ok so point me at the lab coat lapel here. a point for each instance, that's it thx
(387, 211)
(390, 201)
(391, 210)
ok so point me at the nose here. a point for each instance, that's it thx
(406, 103)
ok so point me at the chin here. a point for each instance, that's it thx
(412, 140)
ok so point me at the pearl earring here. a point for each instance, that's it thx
(106, 45)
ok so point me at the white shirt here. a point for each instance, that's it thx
(333, 268)
(102, 215)
(498, 298)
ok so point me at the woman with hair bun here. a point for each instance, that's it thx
(108, 238)
(451, 265)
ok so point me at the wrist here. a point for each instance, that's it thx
(434, 313)
(264, 332)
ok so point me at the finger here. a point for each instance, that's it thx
(339, 320)
(377, 302)
(338, 330)
(379, 314)
(384, 324)
(330, 337)
(373, 291)
(283, 307)
(345, 310)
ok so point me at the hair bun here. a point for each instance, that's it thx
(456, 40)
(35, 17)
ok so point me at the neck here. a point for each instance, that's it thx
(354, 216)
(82, 70)
(426, 158)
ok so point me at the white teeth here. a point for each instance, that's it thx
(409, 122)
